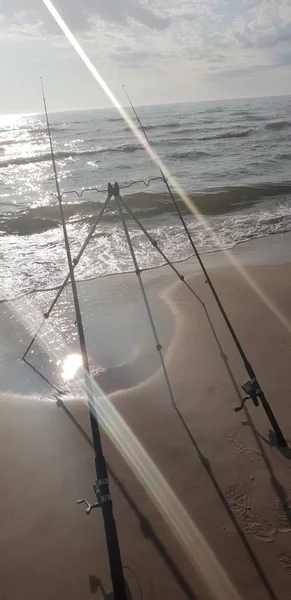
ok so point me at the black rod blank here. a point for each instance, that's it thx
(102, 484)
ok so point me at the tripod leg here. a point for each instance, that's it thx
(156, 246)
(137, 271)
(67, 278)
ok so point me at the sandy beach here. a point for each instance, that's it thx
(224, 467)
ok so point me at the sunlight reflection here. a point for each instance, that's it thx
(15, 120)
(70, 366)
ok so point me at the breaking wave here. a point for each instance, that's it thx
(144, 204)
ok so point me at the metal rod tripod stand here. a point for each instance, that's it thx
(251, 388)
(114, 193)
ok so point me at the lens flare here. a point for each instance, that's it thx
(70, 366)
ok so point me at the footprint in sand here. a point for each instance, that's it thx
(239, 499)
(249, 458)
(244, 455)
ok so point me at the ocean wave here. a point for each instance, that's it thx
(25, 160)
(214, 109)
(10, 142)
(190, 154)
(185, 130)
(239, 113)
(70, 154)
(173, 125)
(53, 129)
(26, 224)
(228, 135)
(173, 141)
(278, 125)
(158, 126)
(114, 119)
(143, 204)
(254, 118)
(284, 156)
(230, 230)
(32, 129)
(124, 148)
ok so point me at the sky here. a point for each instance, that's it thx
(164, 51)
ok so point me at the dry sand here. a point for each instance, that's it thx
(224, 466)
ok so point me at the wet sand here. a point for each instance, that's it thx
(224, 466)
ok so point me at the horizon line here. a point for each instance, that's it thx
(126, 105)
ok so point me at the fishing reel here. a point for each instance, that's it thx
(101, 498)
(95, 504)
(252, 391)
(89, 506)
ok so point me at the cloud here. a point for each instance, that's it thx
(78, 14)
(120, 11)
(268, 24)
(128, 58)
(131, 59)
(24, 31)
(211, 36)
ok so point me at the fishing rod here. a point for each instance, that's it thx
(101, 486)
(251, 387)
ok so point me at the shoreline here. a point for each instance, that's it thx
(119, 337)
(237, 250)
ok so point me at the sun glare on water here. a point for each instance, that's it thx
(70, 366)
